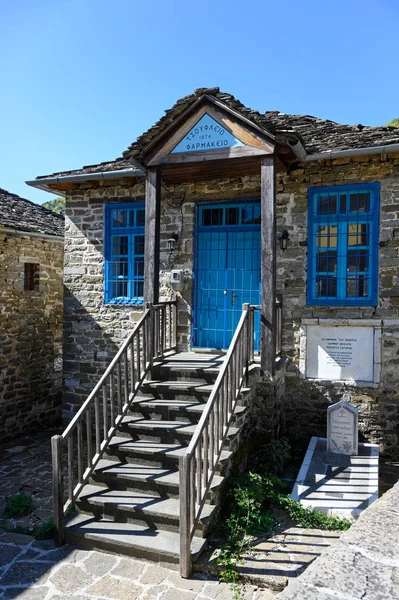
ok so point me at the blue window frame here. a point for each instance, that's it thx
(124, 253)
(343, 245)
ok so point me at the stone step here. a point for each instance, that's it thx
(154, 480)
(189, 366)
(187, 411)
(129, 539)
(149, 452)
(137, 507)
(177, 390)
(162, 430)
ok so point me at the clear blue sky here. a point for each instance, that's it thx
(81, 79)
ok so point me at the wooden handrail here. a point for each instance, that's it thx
(90, 431)
(198, 464)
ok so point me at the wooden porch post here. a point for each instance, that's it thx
(268, 265)
(152, 233)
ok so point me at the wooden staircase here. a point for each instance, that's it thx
(143, 462)
(131, 503)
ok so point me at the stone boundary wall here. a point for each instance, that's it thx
(363, 563)
(30, 335)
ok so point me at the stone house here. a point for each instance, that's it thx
(31, 291)
(188, 193)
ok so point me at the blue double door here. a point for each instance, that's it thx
(227, 272)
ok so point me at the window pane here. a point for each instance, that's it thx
(357, 287)
(247, 215)
(119, 245)
(139, 289)
(120, 268)
(342, 203)
(139, 268)
(217, 216)
(327, 204)
(232, 216)
(206, 217)
(326, 287)
(358, 260)
(327, 236)
(119, 289)
(140, 218)
(119, 218)
(359, 202)
(139, 244)
(326, 261)
(358, 234)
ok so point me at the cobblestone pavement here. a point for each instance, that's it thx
(25, 466)
(36, 570)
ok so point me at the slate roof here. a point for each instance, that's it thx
(316, 135)
(24, 215)
(114, 165)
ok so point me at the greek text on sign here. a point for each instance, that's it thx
(207, 134)
(340, 353)
(342, 428)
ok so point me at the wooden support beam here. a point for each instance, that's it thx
(152, 234)
(268, 265)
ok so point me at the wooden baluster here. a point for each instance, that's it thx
(112, 397)
(105, 410)
(70, 467)
(217, 424)
(126, 378)
(58, 488)
(157, 332)
(198, 473)
(119, 386)
(185, 529)
(163, 329)
(97, 422)
(145, 350)
(139, 368)
(212, 439)
(192, 492)
(89, 437)
(206, 458)
(80, 451)
(175, 324)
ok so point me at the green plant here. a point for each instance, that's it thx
(248, 515)
(251, 498)
(307, 517)
(18, 506)
(45, 531)
(271, 457)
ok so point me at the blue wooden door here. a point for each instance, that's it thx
(227, 272)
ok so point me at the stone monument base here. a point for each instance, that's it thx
(337, 484)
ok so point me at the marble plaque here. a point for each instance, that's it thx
(340, 353)
(342, 428)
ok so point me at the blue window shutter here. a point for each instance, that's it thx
(123, 226)
(347, 216)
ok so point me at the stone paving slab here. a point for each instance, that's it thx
(25, 466)
(35, 570)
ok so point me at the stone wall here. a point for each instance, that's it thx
(306, 402)
(363, 563)
(93, 330)
(31, 335)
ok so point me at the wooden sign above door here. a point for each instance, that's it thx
(207, 134)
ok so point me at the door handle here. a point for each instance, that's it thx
(232, 298)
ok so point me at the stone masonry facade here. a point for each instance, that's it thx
(93, 331)
(31, 334)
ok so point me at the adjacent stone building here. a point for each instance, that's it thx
(31, 292)
(237, 206)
